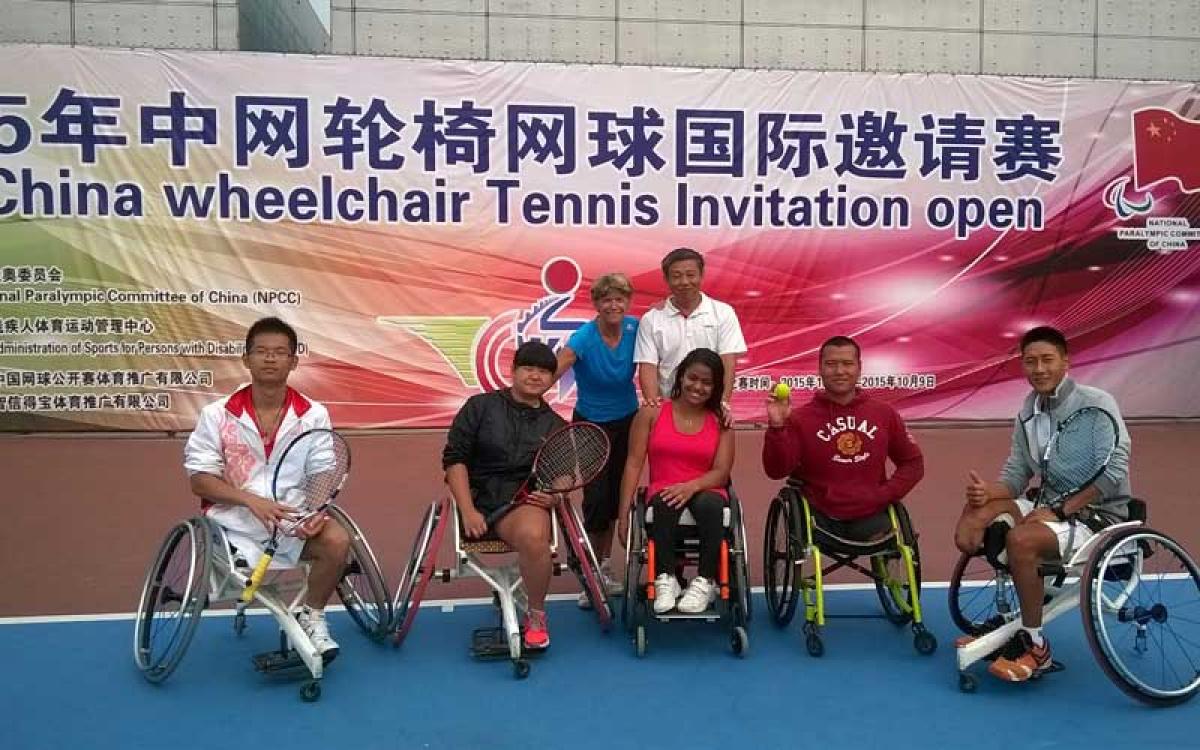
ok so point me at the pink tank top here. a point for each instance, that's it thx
(675, 457)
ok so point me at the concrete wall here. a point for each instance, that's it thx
(1078, 38)
(171, 24)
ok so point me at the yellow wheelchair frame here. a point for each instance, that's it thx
(794, 569)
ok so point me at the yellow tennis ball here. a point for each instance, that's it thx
(782, 391)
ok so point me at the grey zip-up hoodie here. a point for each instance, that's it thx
(1022, 466)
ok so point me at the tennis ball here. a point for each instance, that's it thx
(782, 391)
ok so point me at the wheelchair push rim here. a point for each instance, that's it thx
(173, 596)
(981, 598)
(361, 587)
(635, 540)
(1141, 612)
(892, 583)
(779, 564)
(583, 563)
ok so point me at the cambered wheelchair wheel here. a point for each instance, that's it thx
(982, 598)
(361, 587)
(741, 563)
(422, 562)
(581, 559)
(781, 547)
(635, 546)
(173, 596)
(891, 575)
(1141, 612)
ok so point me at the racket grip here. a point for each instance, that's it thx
(256, 578)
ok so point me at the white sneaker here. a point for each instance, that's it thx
(584, 601)
(614, 586)
(666, 591)
(312, 622)
(700, 593)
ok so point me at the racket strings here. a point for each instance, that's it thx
(1080, 451)
(571, 457)
(326, 463)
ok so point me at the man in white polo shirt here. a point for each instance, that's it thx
(687, 320)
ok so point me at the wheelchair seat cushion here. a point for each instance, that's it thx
(687, 519)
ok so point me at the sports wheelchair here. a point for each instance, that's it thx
(794, 570)
(196, 567)
(1130, 582)
(733, 604)
(508, 592)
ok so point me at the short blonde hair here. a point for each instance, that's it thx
(609, 283)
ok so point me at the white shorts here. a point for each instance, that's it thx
(1067, 544)
(250, 548)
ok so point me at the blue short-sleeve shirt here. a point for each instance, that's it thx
(604, 376)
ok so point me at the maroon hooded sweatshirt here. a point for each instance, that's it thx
(840, 455)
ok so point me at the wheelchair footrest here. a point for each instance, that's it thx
(276, 661)
(492, 643)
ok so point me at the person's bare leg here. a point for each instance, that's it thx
(328, 552)
(527, 530)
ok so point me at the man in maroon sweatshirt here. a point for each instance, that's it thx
(837, 446)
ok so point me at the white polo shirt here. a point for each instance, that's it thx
(665, 336)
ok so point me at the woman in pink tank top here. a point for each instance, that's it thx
(690, 457)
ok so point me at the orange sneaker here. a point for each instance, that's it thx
(537, 635)
(1032, 662)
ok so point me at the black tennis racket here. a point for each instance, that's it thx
(1077, 454)
(570, 458)
(323, 458)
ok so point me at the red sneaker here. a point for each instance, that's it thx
(1032, 662)
(537, 635)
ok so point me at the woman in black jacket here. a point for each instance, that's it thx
(489, 454)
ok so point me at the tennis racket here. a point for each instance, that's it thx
(570, 458)
(323, 457)
(1077, 454)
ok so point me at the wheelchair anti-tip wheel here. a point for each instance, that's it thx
(1140, 596)
(173, 596)
(361, 587)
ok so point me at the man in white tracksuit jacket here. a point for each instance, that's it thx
(231, 458)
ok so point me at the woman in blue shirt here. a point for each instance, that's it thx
(601, 352)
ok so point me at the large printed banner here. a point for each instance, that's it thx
(416, 220)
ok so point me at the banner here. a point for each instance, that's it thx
(415, 220)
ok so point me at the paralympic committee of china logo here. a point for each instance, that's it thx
(480, 349)
(1164, 148)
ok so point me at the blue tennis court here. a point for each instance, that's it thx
(73, 684)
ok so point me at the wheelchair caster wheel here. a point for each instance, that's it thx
(966, 682)
(814, 645)
(310, 691)
(639, 641)
(520, 669)
(739, 641)
(924, 643)
(239, 623)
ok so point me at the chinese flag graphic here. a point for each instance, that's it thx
(1165, 147)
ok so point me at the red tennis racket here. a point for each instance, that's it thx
(570, 458)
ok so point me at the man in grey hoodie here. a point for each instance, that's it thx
(1043, 533)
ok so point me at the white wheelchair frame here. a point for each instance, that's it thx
(1080, 581)
(1062, 600)
(504, 580)
(280, 594)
